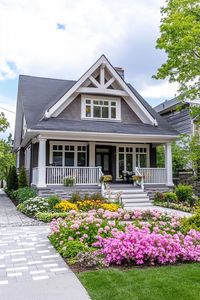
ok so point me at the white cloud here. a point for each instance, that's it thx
(31, 41)
(163, 90)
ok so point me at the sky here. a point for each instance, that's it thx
(63, 38)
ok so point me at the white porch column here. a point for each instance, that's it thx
(42, 163)
(91, 154)
(168, 163)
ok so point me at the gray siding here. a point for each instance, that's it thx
(35, 148)
(73, 112)
(179, 120)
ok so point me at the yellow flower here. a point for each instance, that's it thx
(66, 206)
(110, 206)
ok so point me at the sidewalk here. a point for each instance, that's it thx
(30, 268)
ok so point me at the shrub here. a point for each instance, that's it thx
(192, 222)
(158, 197)
(170, 197)
(24, 194)
(90, 259)
(70, 249)
(65, 206)
(86, 205)
(49, 216)
(110, 206)
(12, 180)
(96, 196)
(22, 179)
(53, 200)
(69, 181)
(33, 205)
(75, 197)
(184, 193)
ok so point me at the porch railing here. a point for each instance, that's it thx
(153, 175)
(35, 176)
(81, 175)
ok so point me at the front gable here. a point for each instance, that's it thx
(101, 80)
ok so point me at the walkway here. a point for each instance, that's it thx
(30, 268)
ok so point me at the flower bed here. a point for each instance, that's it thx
(138, 237)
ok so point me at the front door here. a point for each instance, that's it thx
(103, 159)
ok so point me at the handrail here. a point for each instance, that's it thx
(139, 174)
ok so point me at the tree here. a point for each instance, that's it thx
(12, 179)
(22, 180)
(180, 38)
(7, 157)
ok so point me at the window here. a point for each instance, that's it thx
(125, 159)
(69, 155)
(141, 157)
(101, 108)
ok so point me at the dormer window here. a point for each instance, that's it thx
(101, 108)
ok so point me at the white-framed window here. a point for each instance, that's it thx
(101, 108)
(68, 154)
(141, 157)
(131, 156)
(27, 157)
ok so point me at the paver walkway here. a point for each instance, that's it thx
(30, 268)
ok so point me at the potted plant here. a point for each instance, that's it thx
(137, 179)
(69, 181)
(106, 178)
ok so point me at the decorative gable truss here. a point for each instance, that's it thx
(102, 79)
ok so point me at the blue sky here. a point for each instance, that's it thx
(63, 38)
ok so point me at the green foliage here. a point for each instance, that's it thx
(158, 197)
(68, 249)
(49, 216)
(12, 180)
(7, 157)
(24, 194)
(180, 39)
(33, 205)
(69, 181)
(178, 206)
(4, 124)
(192, 222)
(75, 197)
(53, 200)
(22, 180)
(170, 197)
(184, 193)
(96, 196)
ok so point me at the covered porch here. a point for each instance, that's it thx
(87, 161)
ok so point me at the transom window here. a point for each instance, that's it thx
(69, 155)
(101, 108)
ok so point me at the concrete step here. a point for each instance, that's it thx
(136, 200)
(139, 191)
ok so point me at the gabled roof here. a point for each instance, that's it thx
(172, 104)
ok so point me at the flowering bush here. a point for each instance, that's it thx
(110, 206)
(34, 205)
(89, 204)
(120, 236)
(142, 246)
(65, 206)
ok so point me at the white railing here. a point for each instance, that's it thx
(35, 176)
(81, 175)
(153, 175)
(137, 173)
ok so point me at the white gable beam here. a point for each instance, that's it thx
(102, 74)
(94, 81)
(109, 82)
(101, 90)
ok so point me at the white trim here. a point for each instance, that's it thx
(61, 104)
(90, 90)
(104, 98)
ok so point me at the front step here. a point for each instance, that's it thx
(131, 197)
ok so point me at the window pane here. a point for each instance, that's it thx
(105, 102)
(71, 148)
(54, 147)
(69, 159)
(79, 148)
(106, 162)
(121, 149)
(113, 103)
(88, 111)
(66, 147)
(96, 102)
(81, 159)
(83, 148)
(143, 161)
(105, 112)
(88, 101)
(97, 112)
(129, 162)
(113, 112)
(60, 147)
(121, 163)
(101, 102)
(57, 158)
(98, 160)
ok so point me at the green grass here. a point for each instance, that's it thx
(180, 282)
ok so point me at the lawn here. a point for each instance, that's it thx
(180, 282)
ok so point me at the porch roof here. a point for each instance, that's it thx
(58, 124)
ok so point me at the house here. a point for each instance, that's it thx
(96, 125)
(178, 115)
